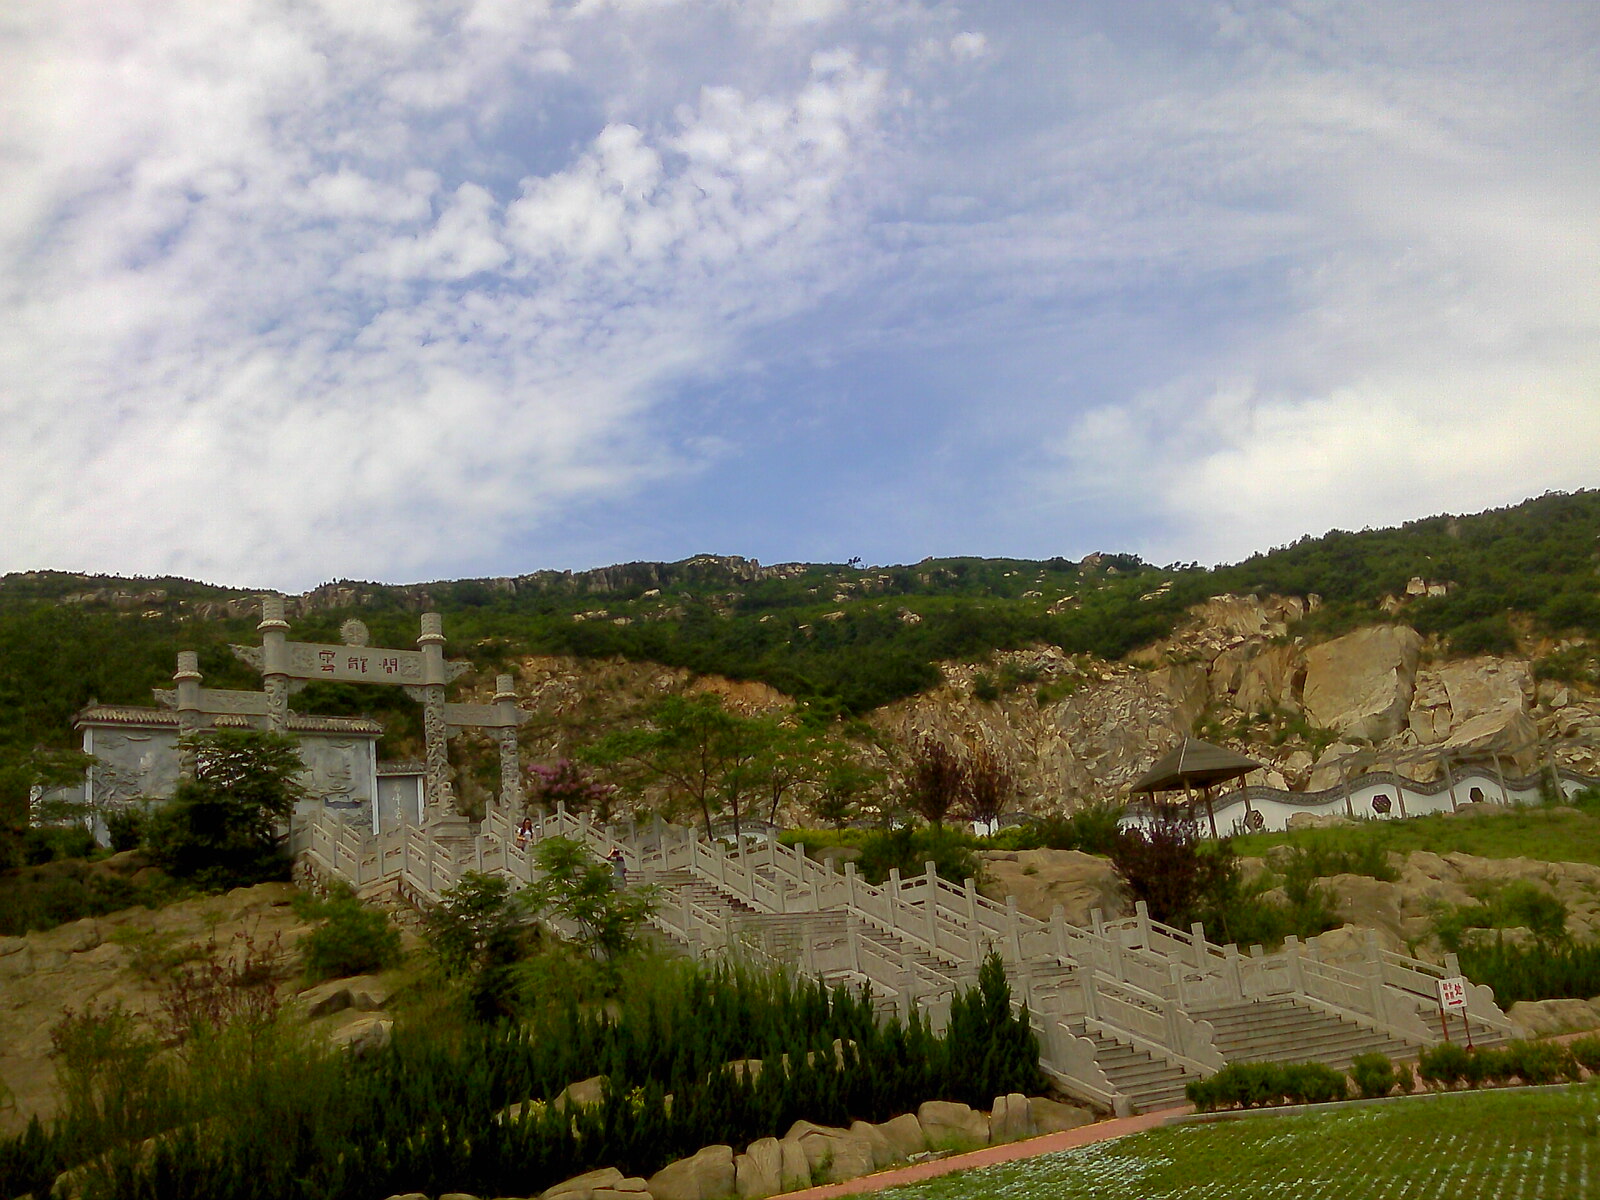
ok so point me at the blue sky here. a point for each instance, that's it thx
(295, 291)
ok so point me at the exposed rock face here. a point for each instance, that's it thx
(1042, 879)
(1448, 696)
(1087, 744)
(1361, 684)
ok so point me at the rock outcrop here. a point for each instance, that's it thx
(1362, 684)
(1042, 879)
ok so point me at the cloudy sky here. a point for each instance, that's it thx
(295, 290)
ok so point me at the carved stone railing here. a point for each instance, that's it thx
(918, 941)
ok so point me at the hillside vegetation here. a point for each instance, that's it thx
(838, 637)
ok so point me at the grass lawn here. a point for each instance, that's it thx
(1552, 834)
(1472, 1146)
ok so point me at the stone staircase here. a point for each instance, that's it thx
(1128, 1011)
(1284, 1029)
(1148, 1082)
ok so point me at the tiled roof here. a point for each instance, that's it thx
(127, 714)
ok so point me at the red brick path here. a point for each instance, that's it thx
(1084, 1135)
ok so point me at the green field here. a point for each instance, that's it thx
(1472, 1146)
(1560, 833)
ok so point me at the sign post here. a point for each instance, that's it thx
(1453, 998)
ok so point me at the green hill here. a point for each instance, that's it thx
(841, 637)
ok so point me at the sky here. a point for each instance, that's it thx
(399, 290)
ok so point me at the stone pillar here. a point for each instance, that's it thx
(274, 631)
(505, 699)
(188, 678)
(436, 778)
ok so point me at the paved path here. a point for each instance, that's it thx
(1084, 1135)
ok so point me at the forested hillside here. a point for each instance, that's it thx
(840, 637)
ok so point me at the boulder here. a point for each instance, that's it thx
(759, 1170)
(1052, 1116)
(1368, 902)
(1479, 686)
(1509, 733)
(364, 1035)
(325, 999)
(832, 1155)
(1330, 768)
(1010, 1119)
(883, 1154)
(1361, 684)
(794, 1171)
(947, 1125)
(1541, 1018)
(586, 1093)
(632, 1188)
(1271, 678)
(1042, 879)
(705, 1175)
(904, 1135)
(583, 1187)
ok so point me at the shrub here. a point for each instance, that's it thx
(44, 844)
(1256, 1085)
(1487, 1064)
(1166, 866)
(220, 829)
(909, 849)
(1443, 1066)
(1314, 1083)
(125, 828)
(1586, 1052)
(352, 939)
(1541, 1062)
(1374, 1075)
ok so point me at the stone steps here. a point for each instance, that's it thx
(1282, 1030)
(1148, 1082)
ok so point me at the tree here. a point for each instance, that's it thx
(704, 754)
(21, 771)
(566, 782)
(842, 786)
(221, 828)
(581, 892)
(1165, 866)
(474, 937)
(935, 779)
(991, 781)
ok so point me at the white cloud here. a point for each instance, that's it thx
(286, 310)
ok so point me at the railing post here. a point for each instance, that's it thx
(974, 938)
(1170, 1013)
(930, 890)
(850, 884)
(1235, 975)
(892, 890)
(1091, 995)
(1375, 973)
(1013, 929)
(1142, 910)
(1097, 921)
(1291, 954)
(477, 852)
(853, 941)
(1197, 933)
(1058, 930)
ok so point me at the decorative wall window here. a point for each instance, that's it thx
(1381, 804)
